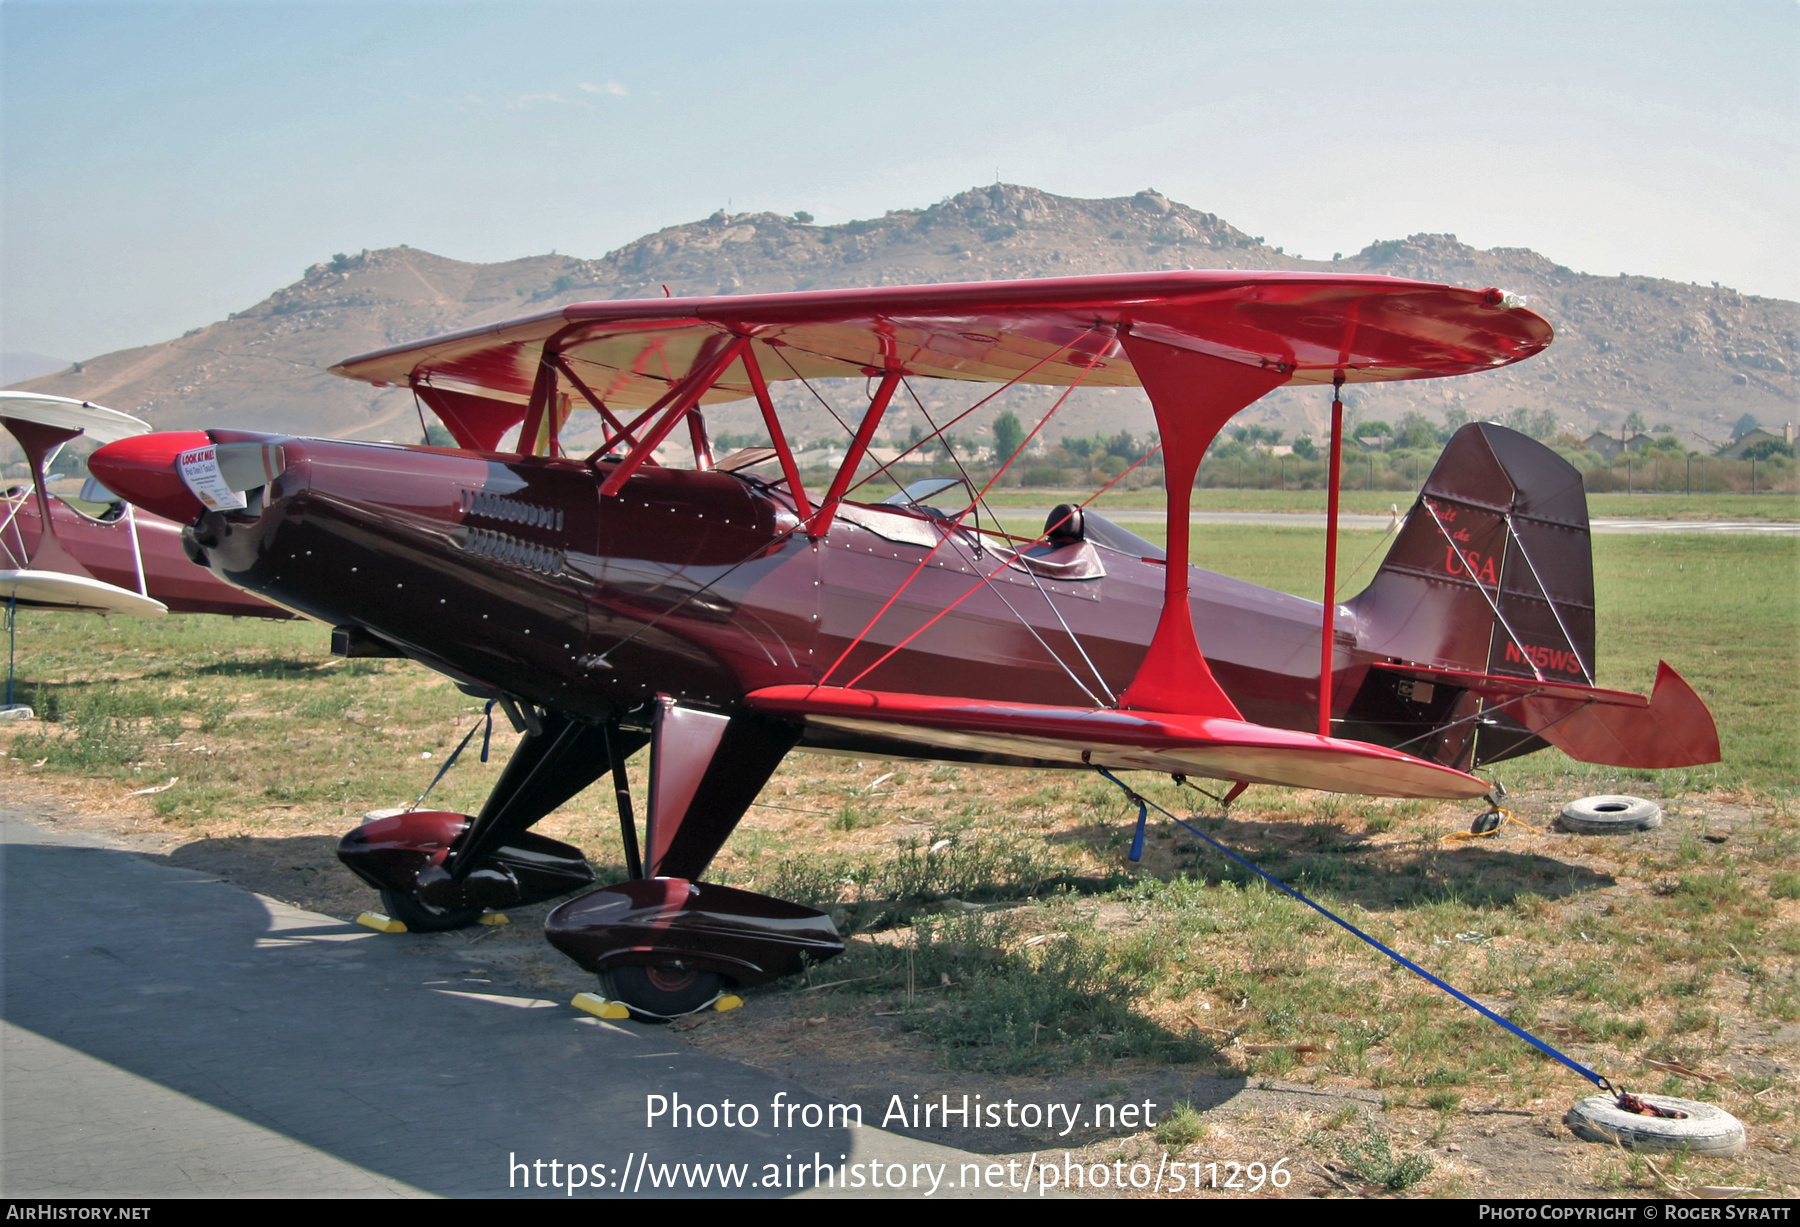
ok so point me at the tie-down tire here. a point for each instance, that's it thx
(1704, 1129)
(1610, 815)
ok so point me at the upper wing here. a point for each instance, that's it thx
(1133, 740)
(1308, 325)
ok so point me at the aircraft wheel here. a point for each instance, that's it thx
(423, 918)
(657, 994)
(1610, 815)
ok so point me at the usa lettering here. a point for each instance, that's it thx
(1476, 565)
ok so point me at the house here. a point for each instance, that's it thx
(1603, 444)
(1750, 439)
(1612, 448)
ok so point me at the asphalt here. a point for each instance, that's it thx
(167, 1034)
(1296, 519)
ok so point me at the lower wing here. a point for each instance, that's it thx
(1131, 740)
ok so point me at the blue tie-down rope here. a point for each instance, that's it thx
(1137, 847)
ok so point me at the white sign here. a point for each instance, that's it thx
(200, 471)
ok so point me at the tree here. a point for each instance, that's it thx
(1009, 432)
(1080, 448)
(1634, 423)
(1123, 446)
(1455, 419)
(1768, 449)
(1305, 448)
(802, 217)
(1414, 430)
(1744, 426)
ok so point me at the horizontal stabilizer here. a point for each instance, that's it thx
(1499, 687)
(1210, 746)
(1614, 728)
(1673, 729)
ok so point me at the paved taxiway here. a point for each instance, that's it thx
(167, 1034)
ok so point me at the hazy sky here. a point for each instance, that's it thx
(166, 164)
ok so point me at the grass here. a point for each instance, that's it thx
(994, 913)
(1377, 502)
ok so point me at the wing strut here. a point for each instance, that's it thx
(674, 405)
(1193, 395)
(859, 446)
(1328, 635)
(611, 419)
(777, 436)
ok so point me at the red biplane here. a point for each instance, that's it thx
(95, 552)
(55, 555)
(725, 613)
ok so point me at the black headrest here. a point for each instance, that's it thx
(1065, 526)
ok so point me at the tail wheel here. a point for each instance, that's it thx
(423, 918)
(657, 994)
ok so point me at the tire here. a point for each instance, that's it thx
(1706, 1130)
(1611, 815)
(1484, 823)
(657, 994)
(423, 918)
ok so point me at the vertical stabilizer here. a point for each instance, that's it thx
(1492, 571)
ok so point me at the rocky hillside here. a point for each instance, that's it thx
(1695, 357)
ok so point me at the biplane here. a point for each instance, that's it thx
(724, 613)
(95, 552)
(107, 559)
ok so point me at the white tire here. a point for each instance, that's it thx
(1611, 815)
(1705, 1130)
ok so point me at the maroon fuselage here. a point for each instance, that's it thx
(514, 573)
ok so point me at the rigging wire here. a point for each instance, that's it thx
(1032, 369)
(780, 352)
(957, 523)
(1036, 581)
(971, 592)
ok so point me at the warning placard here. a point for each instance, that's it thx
(200, 472)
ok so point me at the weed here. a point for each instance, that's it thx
(851, 817)
(1373, 1160)
(1785, 886)
(1180, 1127)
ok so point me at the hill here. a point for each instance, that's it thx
(1695, 357)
